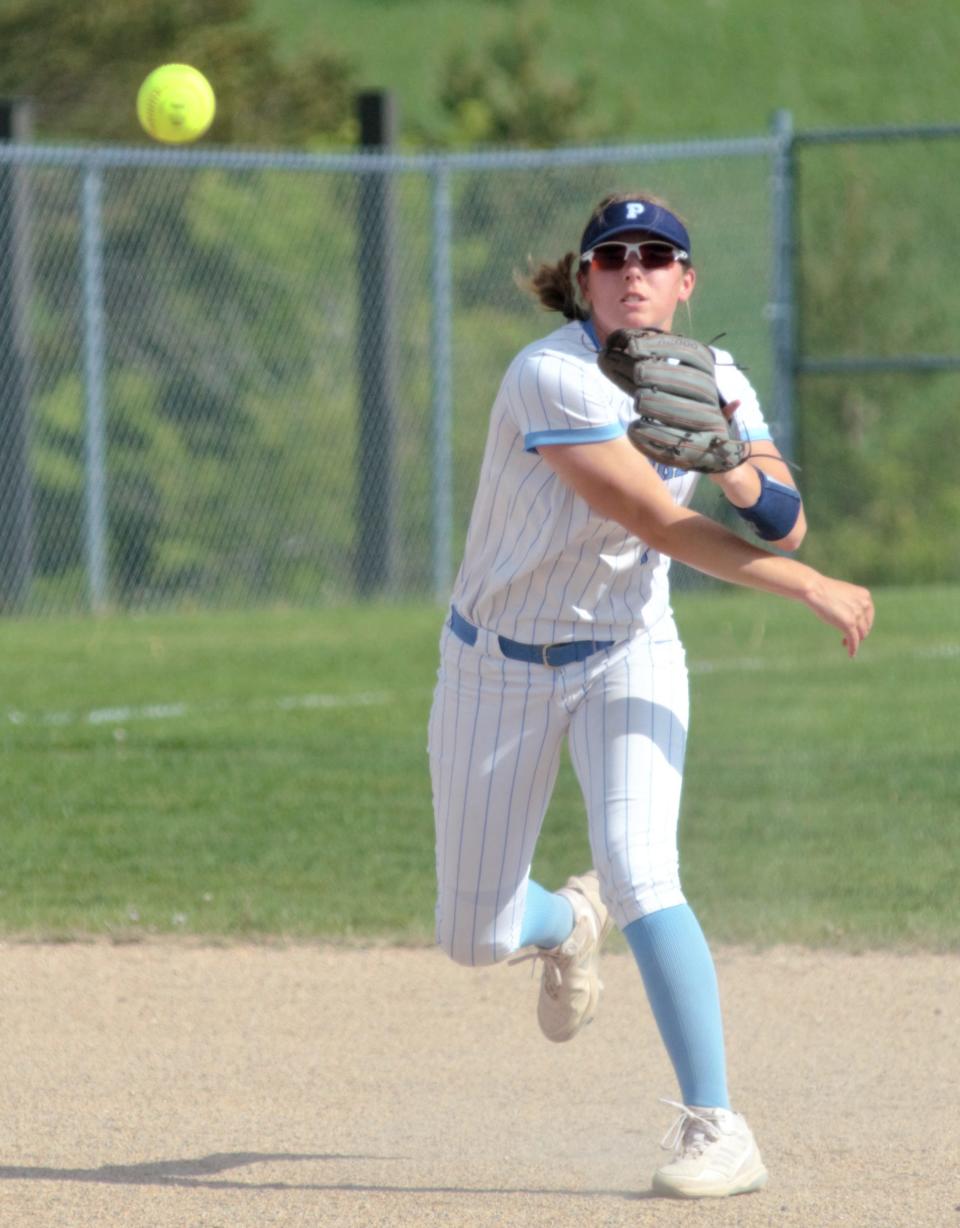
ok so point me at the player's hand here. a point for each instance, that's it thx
(848, 607)
(740, 485)
(729, 409)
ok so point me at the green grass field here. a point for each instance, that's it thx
(265, 774)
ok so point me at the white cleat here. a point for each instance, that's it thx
(570, 986)
(714, 1155)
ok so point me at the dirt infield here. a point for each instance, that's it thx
(186, 1086)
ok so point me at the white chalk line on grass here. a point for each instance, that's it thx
(742, 665)
(123, 714)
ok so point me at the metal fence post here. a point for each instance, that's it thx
(94, 362)
(16, 486)
(442, 477)
(376, 350)
(782, 306)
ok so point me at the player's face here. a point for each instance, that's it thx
(635, 296)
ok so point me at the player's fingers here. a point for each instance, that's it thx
(861, 622)
(870, 615)
(865, 614)
(853, 639)
(848, 607)
(729, 409)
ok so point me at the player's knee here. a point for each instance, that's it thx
(635, 895)
(471, 950)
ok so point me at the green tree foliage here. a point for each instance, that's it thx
(224, 385)
(505, 92)
(233, 292)
(82, 64)
(200, 288)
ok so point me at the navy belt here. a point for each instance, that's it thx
(564, 653)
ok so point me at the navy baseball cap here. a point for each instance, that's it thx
(635, 215)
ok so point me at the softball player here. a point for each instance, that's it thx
(561, 628)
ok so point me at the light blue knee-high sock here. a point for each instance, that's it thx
(547, 918)
(681, 984)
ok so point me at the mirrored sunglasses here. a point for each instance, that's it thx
(651, 254)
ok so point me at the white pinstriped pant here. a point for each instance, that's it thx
(495, 737)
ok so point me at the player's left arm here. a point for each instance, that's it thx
(762, 489)
(779, 511)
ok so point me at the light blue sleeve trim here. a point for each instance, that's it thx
(590, 434)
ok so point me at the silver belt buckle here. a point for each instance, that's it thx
(545, 649)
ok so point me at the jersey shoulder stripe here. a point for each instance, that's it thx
(590, 434)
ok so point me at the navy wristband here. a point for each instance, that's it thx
(776, 511)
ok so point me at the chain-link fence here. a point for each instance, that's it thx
(876, 363)
(233, 378)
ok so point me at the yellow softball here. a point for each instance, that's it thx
(176, 104)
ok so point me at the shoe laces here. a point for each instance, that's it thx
(691, 1132)
(554, 961)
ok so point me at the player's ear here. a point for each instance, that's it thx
(687, 283)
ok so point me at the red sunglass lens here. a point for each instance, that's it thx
(610, 256)
(656, 256)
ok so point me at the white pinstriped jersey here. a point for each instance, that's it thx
(539, 565)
